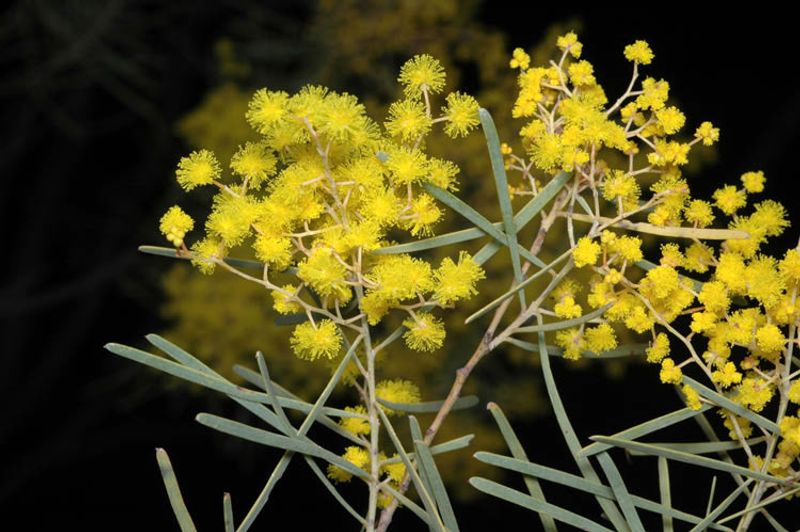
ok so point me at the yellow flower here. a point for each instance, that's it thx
(692, 397)
(670, 373)
(199, 168)
(726, 376)
(456, 281)
(570, 42)
(586, 252)
(283, 300)
(519, 59)
(421, 73)
(358, 456)
(729, 200)
(794, 392)
(311, 342)
(753, 181)
(639, 52)
(425, 333)
(408, 120)
(567, 308)
(671, 119)
(770, 338)
(355, 425)
(266, 109)
(397, 391)
(255, 162)
(571, 341)
(175, 224)
(707, 133)
(461, 112)
(600, 338)
(658, 349)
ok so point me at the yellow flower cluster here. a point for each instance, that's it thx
(739, 305)
(320, 190)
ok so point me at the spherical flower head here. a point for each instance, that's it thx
(199, 168)
(692, 397)
(754, 393)
(266, 109)
(519, 59)
(425, 333)
(707, 133)
(311, 342)
(358, 456)
(714, 296)
(323, 272)
(794, 392)
(601, 338)
(456, 281)
(729, 200)
(572, 342)
(206, 252)
(355, 425)
(273, 250)
(341, 117)
(703, 321)
(395, 471)
(620, 185)
(790, 266)
(408, 120)
(770, 339)
(586, 252)
(569, 41)
(639, 52)
(567, 308)
(670, 373)
(461, 112)
(255, 162)
(421, 73)
(671, 119)
(443, 173)
(175, 224)
(727, 375)
(397, 391)
(284, 302)
(753, 181)
(699, 213)
(581, 74)
(423, 215)
(658, 349)
(406, 165)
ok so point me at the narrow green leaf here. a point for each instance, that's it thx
(267, 383)
(518, 452)
(579, 483)
(564, 324)
(763, 504)
(720, 508)
(476, 219)
(526, 501)
(646, 428)
(620, 492)
(440, 448)
(462, 403)
(411, 505)
(585, 206)
(701, 461)
(665, 492)
(174, 492)
(711, 494)
(619, 352)
(173, 254)
(695, 233)
(431, 514)
(425, 460)
(333, 491)
(738, 409)
(704, 447)
(246, 432)
(501, 185)
(455, 237)
(227, 512)
(286, 458)
(547, 193)
(499, 300)
(198, 377)
(585, 467)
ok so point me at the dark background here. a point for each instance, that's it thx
(89, 95)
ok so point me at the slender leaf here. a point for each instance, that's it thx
(455, 237)
(665, 492)
(720, 508)
(333, 491)
(227, 513)
(646, 428)
(246, 432)
(501, 185)
(276, 404)
(723, 401)
(564, 324)
(619, 352)
(702, 461)
(462, 403)
(526, 501)
(579, 483)
(431, 513)
(783, 495)
(711, 494)
(425, 460)
(518, 452)
(173, 254)
(695, 233)
(440, 448)
(620, 492)
(499, 300)
(704, 447)
(174, 492)
(585, 467)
